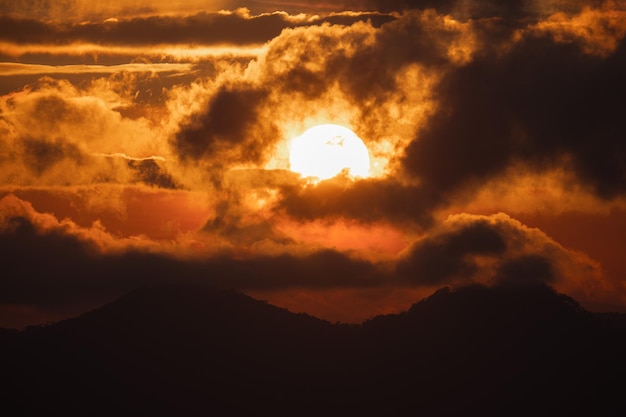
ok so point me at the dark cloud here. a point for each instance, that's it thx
(540, 103)
(370, 72)
(234, 223)
(365, 71)
(42, 268)
(153, 172)
(55, 110)
(376, 19)
(56, 265)
(367, 200)
(204, 28)
(41, 154)
(40, 9)
(229, 126)
(493, 250)
(201, 28)
(444, 257)
(475, 9)
(25, 30)
(53, 268)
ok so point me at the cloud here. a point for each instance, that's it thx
(54, 264)
(598, 31)
(366, 200)
(203, 28)
(9, 68)
(160, 160)
(362, 59)
(223, 132)
(492, 250)
(476, 9)
(56, 134)
(82, 10)
(543, 102)
(353, 75)
(244, 120)
(442, 256)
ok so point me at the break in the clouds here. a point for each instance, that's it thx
(149, 143)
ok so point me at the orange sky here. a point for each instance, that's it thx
(150, 143)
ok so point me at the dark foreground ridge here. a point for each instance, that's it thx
(195, 350)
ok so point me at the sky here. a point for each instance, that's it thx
(149, 142)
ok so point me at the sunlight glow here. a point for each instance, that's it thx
(326, 150)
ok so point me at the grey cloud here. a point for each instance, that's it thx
(52, 268)
(227, 126)
(541, 103)
(41, 154)
(153, 172)
(476, 9)
(365, 71)
(494, 250)
(202, 28)
(367, 200)
(56, 267)
(443, 257)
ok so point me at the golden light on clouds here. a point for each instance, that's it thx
(95, 53)
(8, 69)
(441, 138)
(598, 30)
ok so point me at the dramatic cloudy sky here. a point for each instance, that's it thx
(148, 141)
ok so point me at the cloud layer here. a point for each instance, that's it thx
(153, 144)
(58, 265)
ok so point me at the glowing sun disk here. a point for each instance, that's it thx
(326, 150)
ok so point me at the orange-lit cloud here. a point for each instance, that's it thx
(153, 145)
(464, 249)
(8, 69)
(84, 10)
(598, 31)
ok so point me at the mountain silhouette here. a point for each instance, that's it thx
(197, 350)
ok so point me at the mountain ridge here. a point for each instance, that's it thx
(194, 350)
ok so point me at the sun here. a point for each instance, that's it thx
(326, 150)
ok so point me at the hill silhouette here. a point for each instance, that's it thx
(197, 350)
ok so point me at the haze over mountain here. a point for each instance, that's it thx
(197, 350)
